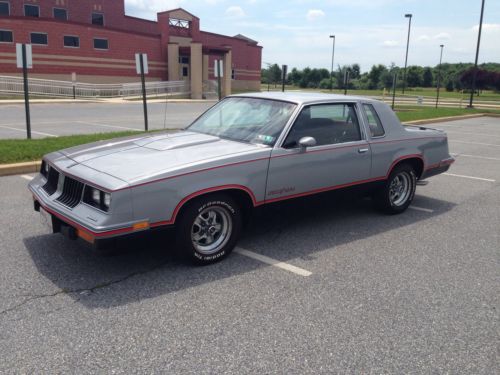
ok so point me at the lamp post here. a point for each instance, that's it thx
(439, 74)
(333, 55)
(409, 16)
(474, 74)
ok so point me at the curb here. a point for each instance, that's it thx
(20, 168)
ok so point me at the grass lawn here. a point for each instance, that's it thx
(21, 150)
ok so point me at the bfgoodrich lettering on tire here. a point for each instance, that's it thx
(398, 191)
(209, 228)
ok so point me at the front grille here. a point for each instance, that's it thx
(72, 192)
(50, 186)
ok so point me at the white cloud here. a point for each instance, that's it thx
(235, 12)
(423, 38)
(442, 36)
(314, 14)
(488, 27)
(390, 43)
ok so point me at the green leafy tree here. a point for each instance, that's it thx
(427, 78)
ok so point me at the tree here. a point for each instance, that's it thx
(375, 75)
(427, 78)
(414, 76)
(274, 74)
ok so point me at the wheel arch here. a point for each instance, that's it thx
(416, 161)
(242, 195)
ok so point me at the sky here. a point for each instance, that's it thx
(367, 32)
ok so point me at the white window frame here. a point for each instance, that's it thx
(12, 32)
(100, 49)
(72, 36)
(8, 6)
(39, 32)
(31, 5)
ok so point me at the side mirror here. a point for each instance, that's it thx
(305, 142)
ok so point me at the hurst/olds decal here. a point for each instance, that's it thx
(281, 191)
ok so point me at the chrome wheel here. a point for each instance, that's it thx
(400, 189)
(211, 230)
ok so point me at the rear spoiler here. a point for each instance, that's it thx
(423, 127)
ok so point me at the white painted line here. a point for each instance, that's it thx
(476, 157)
(273, 262)
(24, 131)
(27, 177)
(470, 177)
(107, 126)
(428, 210)
(472, 133)
(474, 143)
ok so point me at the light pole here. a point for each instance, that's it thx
(409, 15)
(474, 74)
(333, 55)
(439, 74)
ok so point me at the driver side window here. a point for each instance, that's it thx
(326, 123)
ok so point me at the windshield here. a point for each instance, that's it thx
(248, 120)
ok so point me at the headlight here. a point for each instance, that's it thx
(97, 198)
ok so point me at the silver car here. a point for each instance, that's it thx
(246, 151)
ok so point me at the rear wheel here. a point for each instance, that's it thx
(398, 191)
(209, 228)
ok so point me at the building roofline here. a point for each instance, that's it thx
(95, 27)
(231, 37)
(140, 19)
(176, 9)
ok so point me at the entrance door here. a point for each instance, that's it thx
(184, 68)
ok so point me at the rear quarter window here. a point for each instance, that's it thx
(374, 123)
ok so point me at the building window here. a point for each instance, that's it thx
(98, 19)
(6, 36)
(39, 38)
(185, 71)
(4, 9)
(71, 41)
(100, 43)
(184, 59)
(233, 74)
(61, 14)
(31, 10)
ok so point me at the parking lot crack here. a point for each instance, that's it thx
(92, 289)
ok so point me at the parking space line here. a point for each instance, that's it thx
(476, 157)
(416, 208)
(469, 177)
(107, 126)
(24, 131)
(475, 143)
(273, 262)
(27, 177)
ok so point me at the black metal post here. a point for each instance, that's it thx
(144, 100)
(439, 75)
(346, 81)
(474, 74)
(26, 92)
(394, 83)
(333, 55)
(284, 69)
(74, 91)
(407, 46)
(219, 88)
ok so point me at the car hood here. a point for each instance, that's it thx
(134, 158)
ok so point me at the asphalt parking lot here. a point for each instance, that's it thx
(355, 292)
(52, 120)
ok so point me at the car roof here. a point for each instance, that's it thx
(300, 97)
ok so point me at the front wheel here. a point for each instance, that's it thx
(209, 228)
(398, 191)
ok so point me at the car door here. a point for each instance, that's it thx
(341, 156)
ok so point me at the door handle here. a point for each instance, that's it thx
(362, 150)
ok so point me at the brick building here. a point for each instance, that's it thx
(98, 42)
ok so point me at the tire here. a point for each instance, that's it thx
(208, 229)
(398, 190)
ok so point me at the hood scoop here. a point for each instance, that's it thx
(172, 143)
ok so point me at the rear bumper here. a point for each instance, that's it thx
(438, 168)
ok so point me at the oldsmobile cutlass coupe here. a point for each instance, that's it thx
(246, 151)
